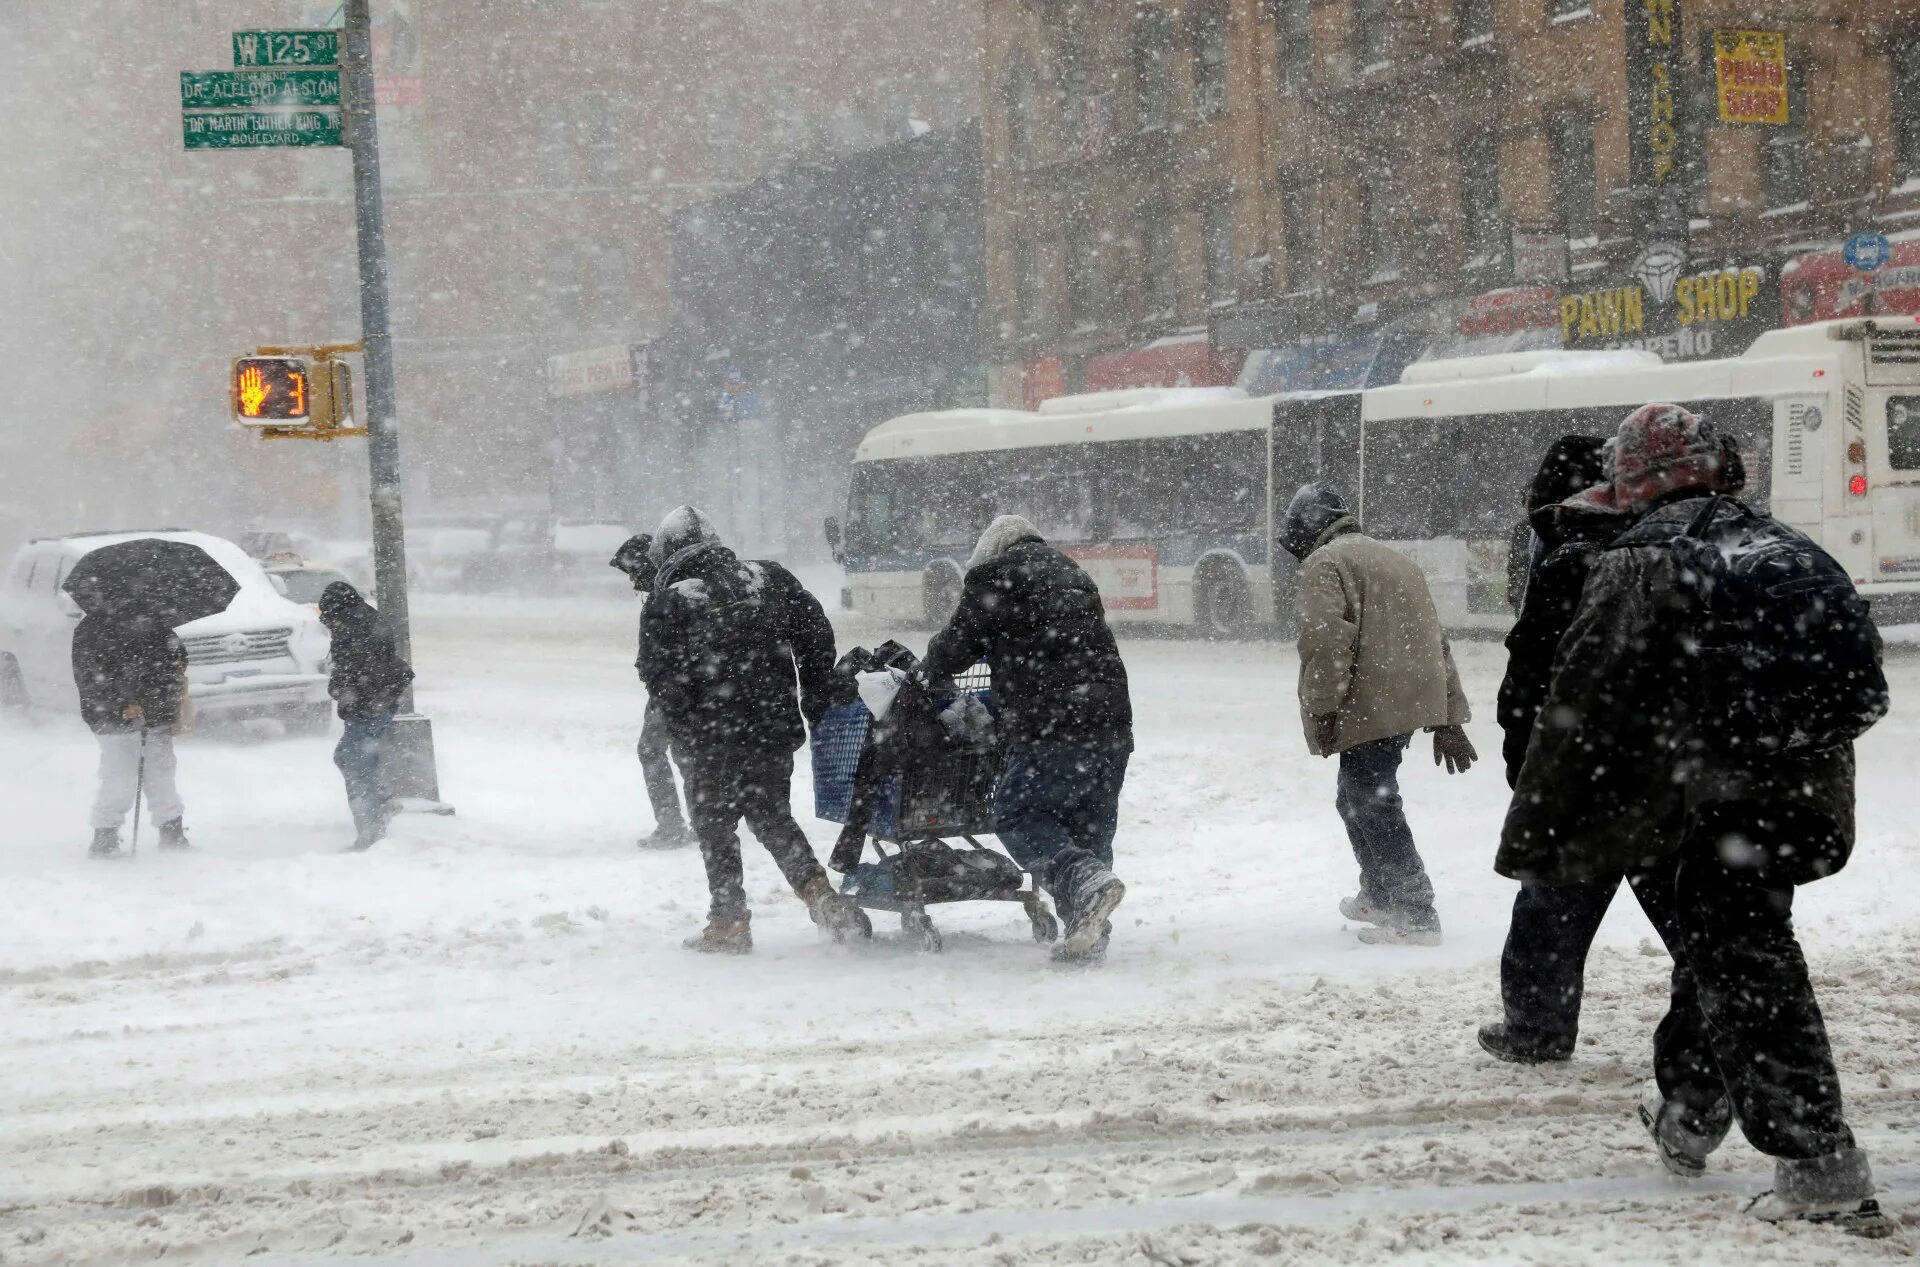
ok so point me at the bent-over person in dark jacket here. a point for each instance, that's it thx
(132, 680)
(1037, 619)
(369, 682)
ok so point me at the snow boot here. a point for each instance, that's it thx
(1836, 1189)
(173, 835)
(723, 935)
(1095, 896)
(1685, 1138)
(106, 844)
(1094, 955)
(667, 836)
(1397, 927)
(835, 913)
(1361, 910)
(1500, 1042)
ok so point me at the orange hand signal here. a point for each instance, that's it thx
(253, 391)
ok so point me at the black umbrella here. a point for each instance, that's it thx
(151, 581)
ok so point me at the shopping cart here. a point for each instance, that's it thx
(916, 792)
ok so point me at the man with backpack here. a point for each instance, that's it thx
(721, 642)
(1697, 736)
(368, 683)
(655, 747)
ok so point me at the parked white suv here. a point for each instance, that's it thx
(262, 657)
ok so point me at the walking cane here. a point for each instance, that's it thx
(139, 788)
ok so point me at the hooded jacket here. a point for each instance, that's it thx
(1617, 771)
(721, 642)
(1039, 621)
(1372, 653)
(369, 677)
(117, 666)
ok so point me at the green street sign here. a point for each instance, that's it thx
(286, 48)
(259, 129)
(258, 89)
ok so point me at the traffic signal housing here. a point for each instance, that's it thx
(271, 391)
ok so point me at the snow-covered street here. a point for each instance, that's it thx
(481, 1043)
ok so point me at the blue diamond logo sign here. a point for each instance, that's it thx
(1867, 251)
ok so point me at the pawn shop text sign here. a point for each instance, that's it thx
(1750, 68)
(1627, 316)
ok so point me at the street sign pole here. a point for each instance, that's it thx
(414, 772)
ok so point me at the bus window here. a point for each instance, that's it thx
(953, 507)
(883, 507)
(1059, 505)
(1903, 433)
(1407, 470)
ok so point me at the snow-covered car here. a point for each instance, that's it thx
(262, 657)
(302, 582)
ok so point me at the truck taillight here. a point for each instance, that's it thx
(1857, 486)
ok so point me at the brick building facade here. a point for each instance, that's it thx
(1311, 192)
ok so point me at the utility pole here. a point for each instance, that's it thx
(410, 761)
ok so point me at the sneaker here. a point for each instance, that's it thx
(106, 844)
(836, 914)
(723, 936)
(1500, 1042)
(1094, 899)
(1685, 1139)
(173, 835)
(1361, 910)
(667, 836)
(1836, 1189)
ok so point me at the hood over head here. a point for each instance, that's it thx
(683, 528)
(1664, 449)
(1314, 511)
(342, 607)
(1572, 465)
(1002, 534)
(632, 558)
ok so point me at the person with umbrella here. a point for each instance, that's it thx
(131, 672)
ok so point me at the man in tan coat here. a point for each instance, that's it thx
(1374, 668)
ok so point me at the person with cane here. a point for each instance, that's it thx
(133, 684)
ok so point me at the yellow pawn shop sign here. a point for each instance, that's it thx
(295, 393)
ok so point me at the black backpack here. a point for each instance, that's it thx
(1789, 655)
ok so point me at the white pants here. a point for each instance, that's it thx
(120, 774)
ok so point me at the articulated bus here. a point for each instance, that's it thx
(1170, 498)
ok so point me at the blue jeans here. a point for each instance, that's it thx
(1056, 810)
(358, 756)
(1391, 873)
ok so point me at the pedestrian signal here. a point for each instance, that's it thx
(272, 389)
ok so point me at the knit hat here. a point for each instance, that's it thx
(1664, 449)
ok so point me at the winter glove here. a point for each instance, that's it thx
(1326, 732)
(1451, 746)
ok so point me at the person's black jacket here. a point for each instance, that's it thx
(118, 666)
(1571, 538)
(1038, 619)
(369, 677)
(720, 643)
(1619, 769)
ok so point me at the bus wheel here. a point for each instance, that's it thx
(1222, 605)
(942, 596)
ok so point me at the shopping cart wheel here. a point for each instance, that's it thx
(1045, 927)
(915, 924)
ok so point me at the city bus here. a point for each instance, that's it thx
(1170, 498)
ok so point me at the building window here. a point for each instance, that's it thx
(1576, 193)
(1482, 228)
(1223, 280)
(1379, 245)
(1085, 280)
(1152, 65)
(1016, 96)
(1159, 291)
(1293, 41)
(1302, 230)
(1210, 59)
(1073, 73)
(1906, 109)
(1472, 21)
(1783, 150)
(1027, 312)
(1372, 32)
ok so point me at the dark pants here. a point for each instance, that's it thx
(725, 786)
(1544, 966)
(1056, 811)
(656, 768)
(1743, 1023)
(358, 756)
(1392, 876)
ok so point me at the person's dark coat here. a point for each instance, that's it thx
(1570, 538)
(1571, 464)
(118, 666)
(721, 641)
(369, 678)
(1618, 770)
(1039, 621)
